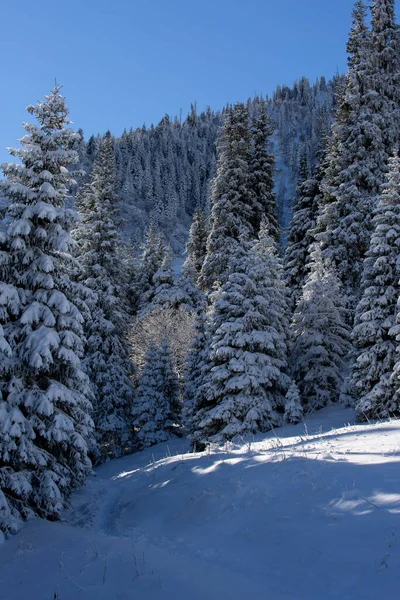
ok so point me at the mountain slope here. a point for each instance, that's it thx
(306, 512)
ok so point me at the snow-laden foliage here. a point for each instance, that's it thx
(386, 61)
(170, 291)
(107, 353)
(320, 337)
(234, 210)
(164, 171)
(300, 238)
(374, 331)
(293, 405)
(245, 380)
(262, 166)
(196, 247)
(242, 191)
(156, 410)
(45, 396)
(152, 256)
(359, 150)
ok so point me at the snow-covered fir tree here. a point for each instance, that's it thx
(358, 152)
(169, 290)
(152, 255)
(374, 331)
(245, 378)
(300, 238)
(196, 247)
(156, 406)
(45, 426)
(234, 209)
(386, 63)
(293, 405)
(321, 336)
(262, 167)
(101, 258)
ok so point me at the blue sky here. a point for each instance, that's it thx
(125, 62)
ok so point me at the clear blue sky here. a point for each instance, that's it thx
(125, 62)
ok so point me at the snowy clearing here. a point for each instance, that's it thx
(306, 512)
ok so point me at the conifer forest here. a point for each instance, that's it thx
(191, 289)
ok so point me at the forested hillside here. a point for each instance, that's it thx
(164, 171)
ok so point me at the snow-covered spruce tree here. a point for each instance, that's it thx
(321, 337)
(152, 256)
(356, 162)
(16, 467)
(107, 354)
(262, 173)
(293, 406)
(386, 63)
(245, 381)
(234, 208)
(169, 291)
(45, 396)
(373, 334)
(300, 238)
(156, 406)
(197, 245)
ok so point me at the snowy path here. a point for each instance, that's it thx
(307, 512)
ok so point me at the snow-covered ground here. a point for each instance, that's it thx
(310, 511)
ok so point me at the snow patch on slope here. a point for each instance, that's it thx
(306, 512)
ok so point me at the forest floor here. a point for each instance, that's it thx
(307, 512)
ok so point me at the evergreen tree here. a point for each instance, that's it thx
(156, 405)
(169, 291)
(197, 245)
(293, 407)
(245, 380)
(152, 256)
(373, 334)
(300, 238)
(262, 173)
(358, 153)
(107, 355)
(45, 396)
(234, 208)
(320, 337)
(386, 63)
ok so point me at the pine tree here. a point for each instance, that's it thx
(386, 63)
(262, 173)
(156, 405)
(169, 291)
(356, 163)
(293, 407)
(197, 245)
(45, 396)
(245, 380)
(101, 258)
(373, 334)
(300, 238)
(153, 251)
(320, 337)
(234, 210)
